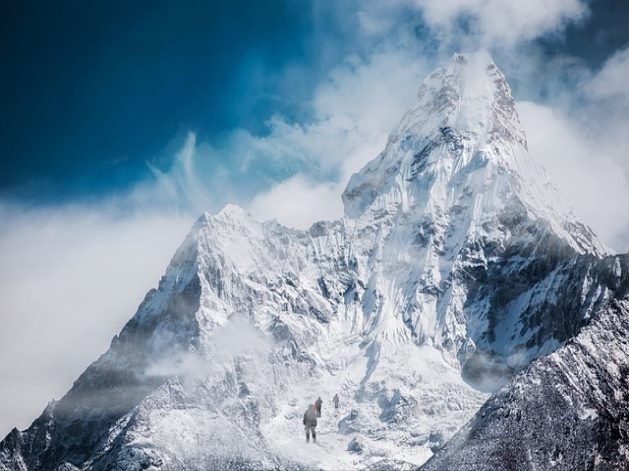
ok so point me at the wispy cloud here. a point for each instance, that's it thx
(349, 117)
(611, 82)
(493, 23)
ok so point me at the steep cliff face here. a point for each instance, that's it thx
(471, 231)
(566, 411)
(455, 265)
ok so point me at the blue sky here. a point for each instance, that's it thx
(123, 121)
(92, 92)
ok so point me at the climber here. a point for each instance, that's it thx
(317, 404)
(336, 401)
(310, 422)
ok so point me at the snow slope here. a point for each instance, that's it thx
(456, 264)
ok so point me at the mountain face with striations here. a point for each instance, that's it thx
(456, 266)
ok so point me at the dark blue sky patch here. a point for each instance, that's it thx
(593, 40)
(92, 91)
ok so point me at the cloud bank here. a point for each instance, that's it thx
(582, 140)
(71, 277)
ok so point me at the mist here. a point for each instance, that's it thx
(71, 277)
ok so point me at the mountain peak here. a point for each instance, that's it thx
(462, 61)
(464, 116)
(476, 66)
(469, 94)
(460, 154)
(232, 217)
(480, 56)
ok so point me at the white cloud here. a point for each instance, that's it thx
(584, 167)
(586, 144)
(607, 108)
(298, 202)
(611, 82)
(499, 23)
(71, 277)
(354, 110)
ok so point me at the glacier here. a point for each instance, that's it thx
(456, 266)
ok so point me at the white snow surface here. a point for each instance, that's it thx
(372, 306)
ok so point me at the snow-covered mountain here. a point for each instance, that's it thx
(455, 266)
